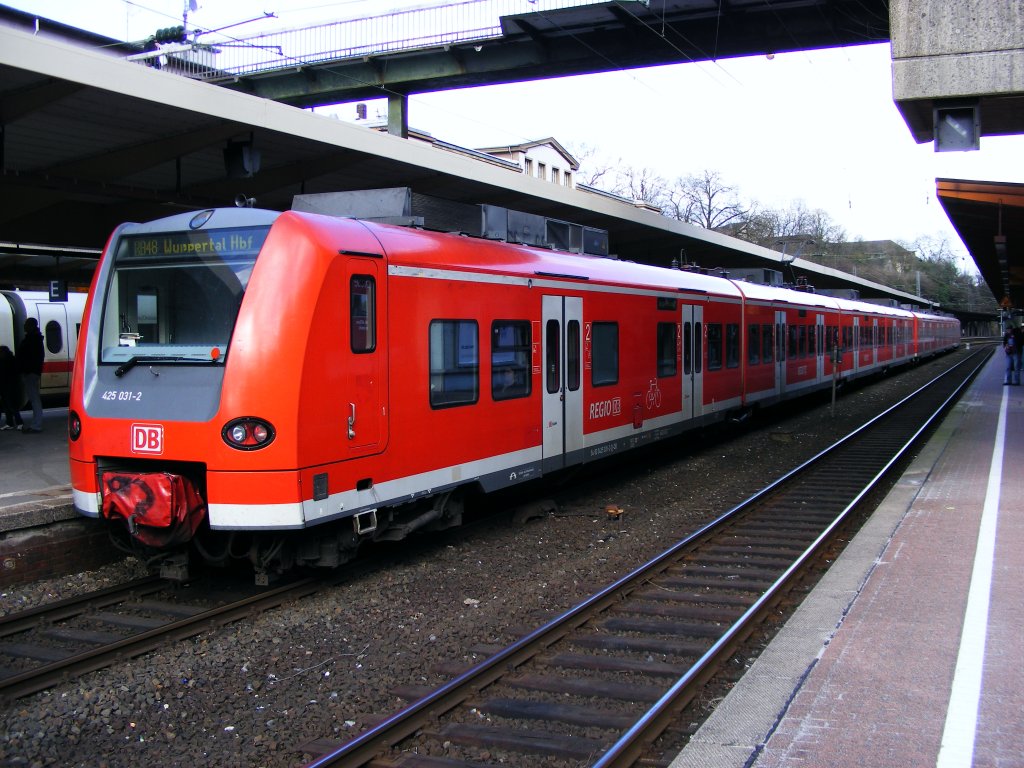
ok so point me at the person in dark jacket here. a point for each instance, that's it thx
(1018, 343)
(10, 389)
(30, 363)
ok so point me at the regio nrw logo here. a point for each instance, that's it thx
(147, 438)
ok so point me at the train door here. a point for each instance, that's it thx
(780, 352)
(693, 353)
(857, 343)
(366, 360)
(563, 379)
(876, 341)
(53, 324)
(819, 346)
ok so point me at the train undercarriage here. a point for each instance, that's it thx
(270, 554)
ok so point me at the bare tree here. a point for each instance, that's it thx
(705, 200)
(642, 184)
(768, 226)
(594, 171)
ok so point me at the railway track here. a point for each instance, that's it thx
(599, 684)
(60, 641)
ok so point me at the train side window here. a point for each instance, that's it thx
(510, 359)
(812, 348)
(572, 354)
(605, 337)
(767, 343)
(732, 345)
(698, 348)
(753, 344)
(714, 331)
(687, 349)
(780, 342)
(454, 363)
(553, 362)
(362, 313)
(54, 337)
(802, 341)
(792, 342)
(668, 346)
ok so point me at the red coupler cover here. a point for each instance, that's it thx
(160, 508)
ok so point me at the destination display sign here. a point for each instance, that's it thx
(218, 243)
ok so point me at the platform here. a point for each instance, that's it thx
(36, 474)
(907, 653)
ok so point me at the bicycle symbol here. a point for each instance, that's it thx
(653, 396)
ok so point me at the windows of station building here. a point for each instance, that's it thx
(454, 363)
(528, 166)
(542, 171)
(605, 354)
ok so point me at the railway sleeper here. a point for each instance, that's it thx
(668, 609)
(710, 630)
(585, 688)
(528, 742)
(582, 661)
(641, 644)
(571, 714)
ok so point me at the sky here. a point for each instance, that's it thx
(818, 127)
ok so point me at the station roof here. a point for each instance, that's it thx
(989, 217)
(91, 141)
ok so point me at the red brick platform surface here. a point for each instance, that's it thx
(909, 651)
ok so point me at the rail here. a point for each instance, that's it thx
(39, 637)
(699, 599)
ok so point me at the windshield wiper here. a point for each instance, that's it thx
(126, 366)
(131, 362)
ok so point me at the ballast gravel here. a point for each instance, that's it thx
(254, 693)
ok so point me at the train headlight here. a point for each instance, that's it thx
(248, 433)
(74, 425)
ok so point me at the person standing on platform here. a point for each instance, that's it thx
(10, 389)
(1018, 345)
(1012, 356)
(30, 363)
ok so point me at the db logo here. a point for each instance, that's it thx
(147, 438)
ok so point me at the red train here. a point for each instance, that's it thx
(282, 386)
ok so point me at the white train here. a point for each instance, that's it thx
(59, 322)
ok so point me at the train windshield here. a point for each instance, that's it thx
(174, 296)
